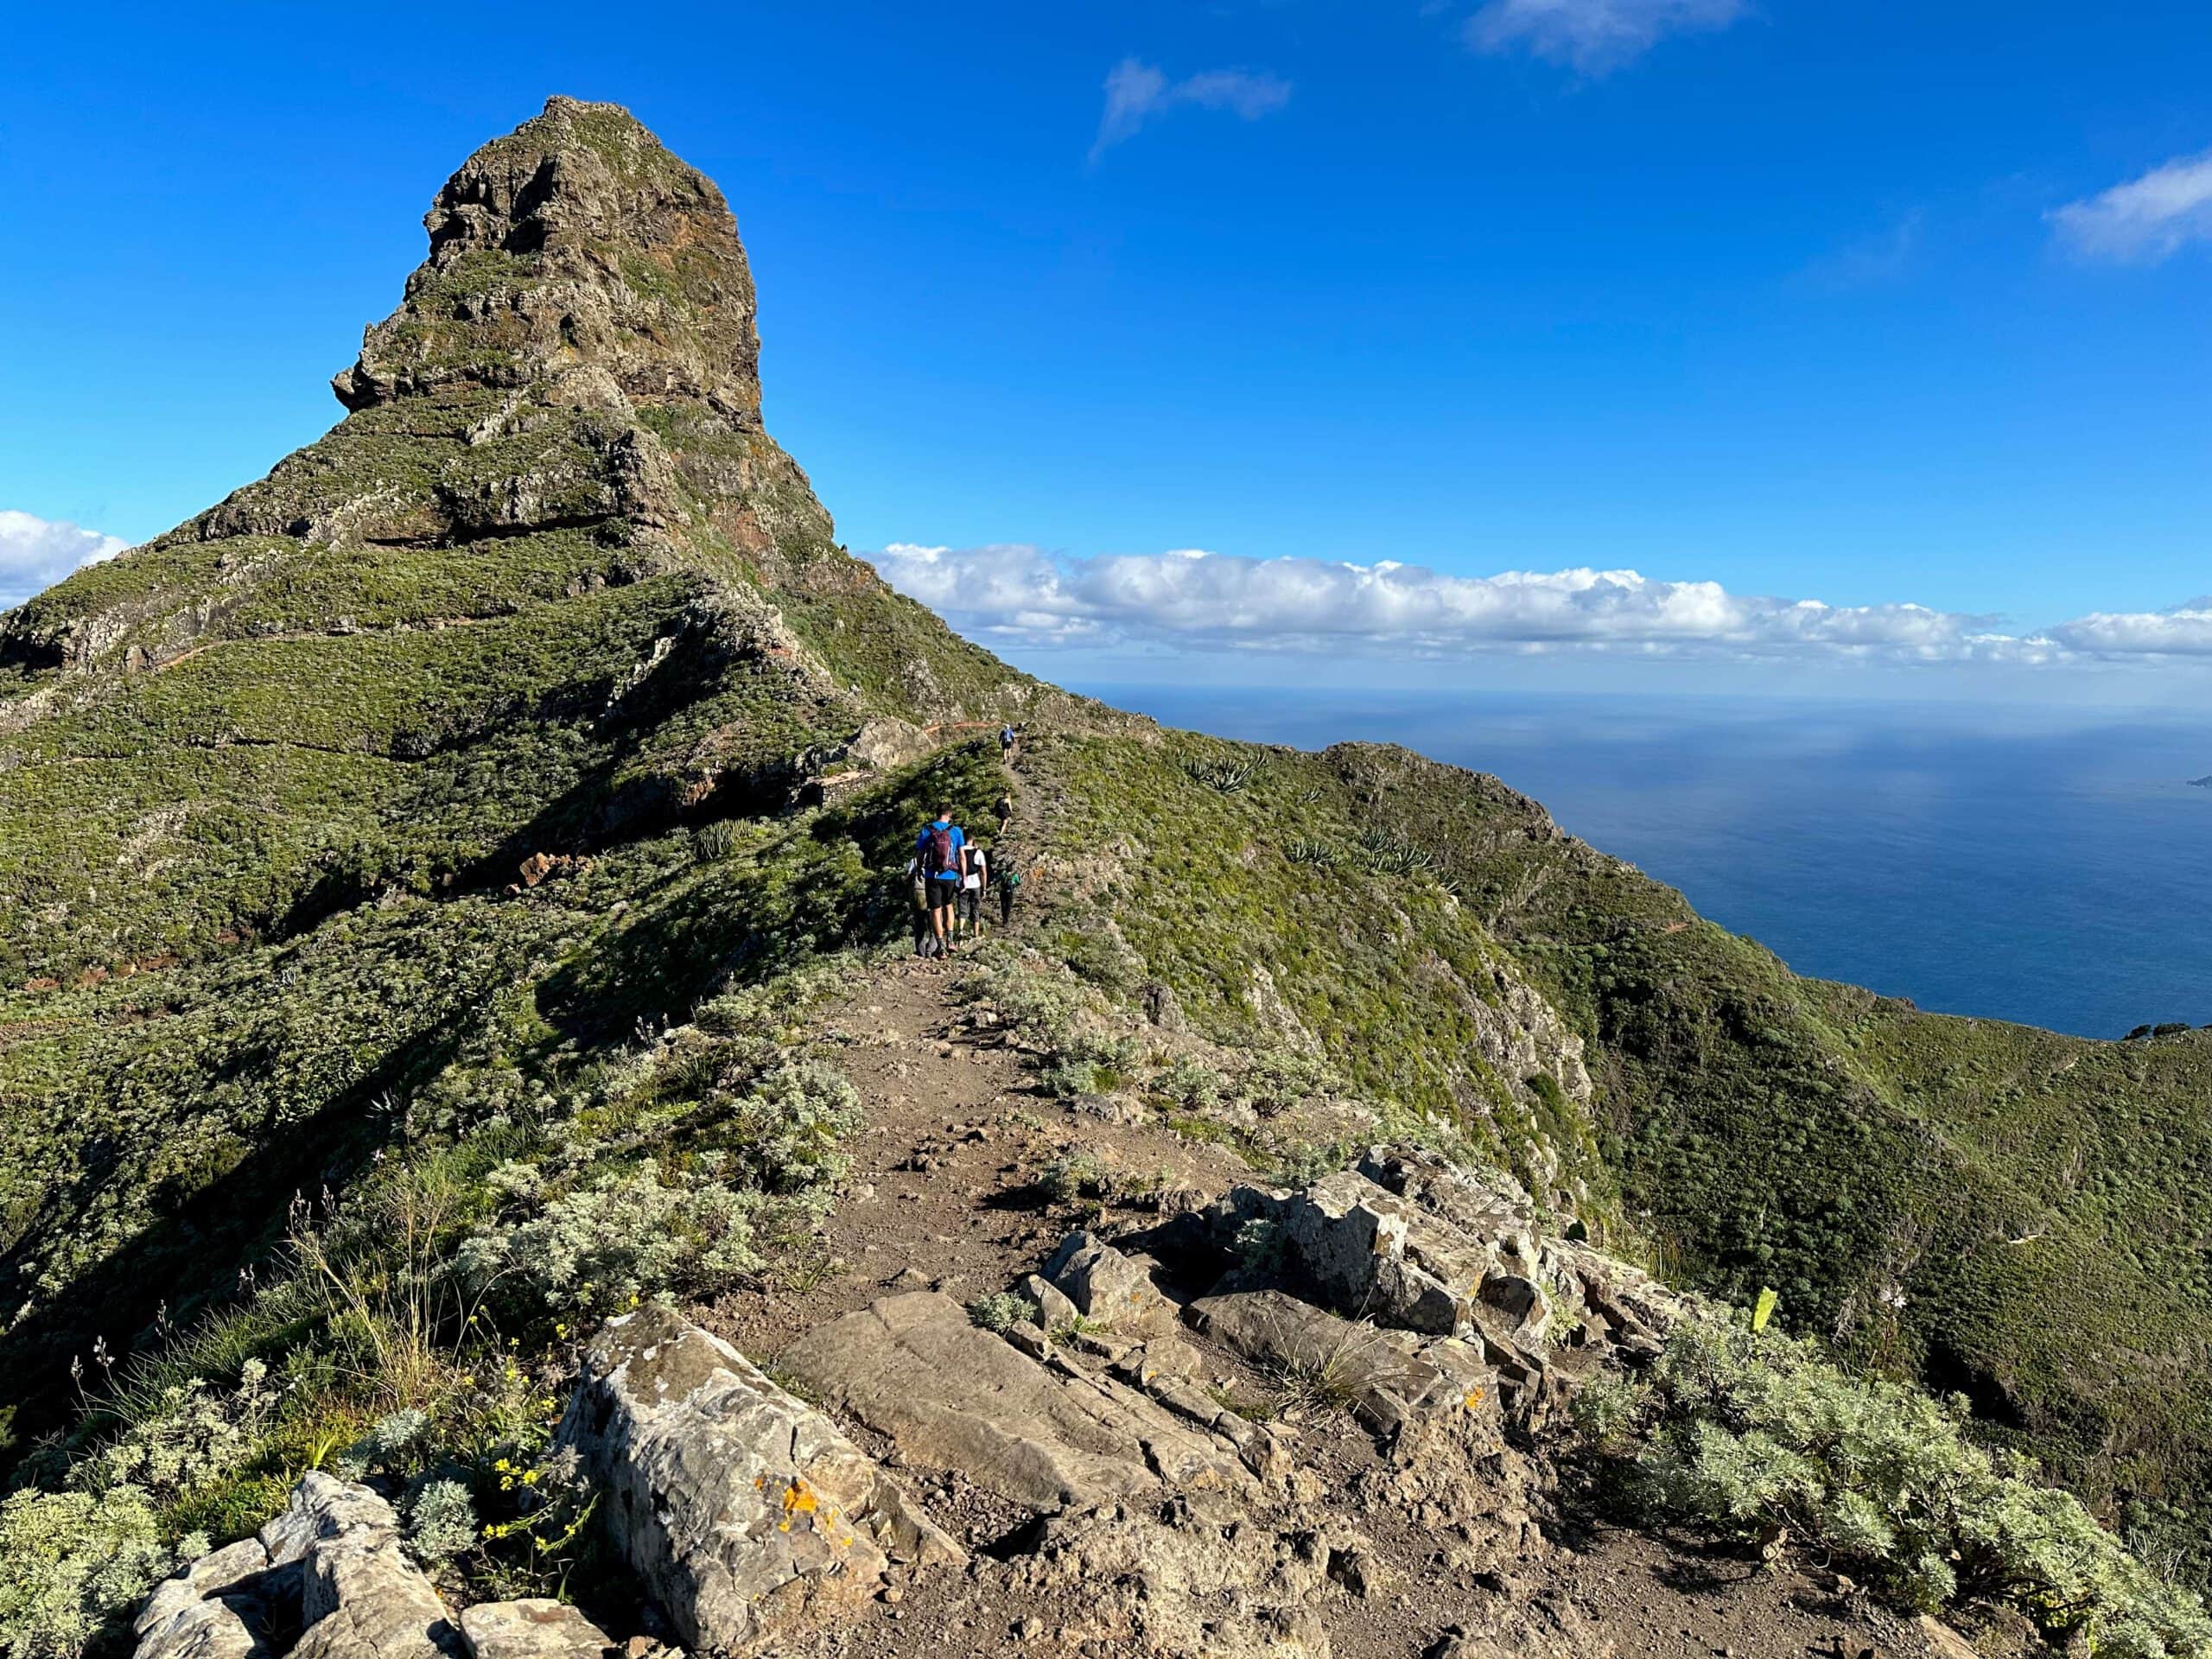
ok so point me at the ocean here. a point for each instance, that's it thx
(2041, 867)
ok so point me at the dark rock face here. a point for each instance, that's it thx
(576, 242)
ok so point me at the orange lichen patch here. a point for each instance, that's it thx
(799, 1498)
(1474, 1400)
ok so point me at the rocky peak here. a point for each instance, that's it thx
(576, 249)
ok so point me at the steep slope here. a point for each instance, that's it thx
(2005, 1212)
(550, 589)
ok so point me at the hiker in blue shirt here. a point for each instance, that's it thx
(937, 849)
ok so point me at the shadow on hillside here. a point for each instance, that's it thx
(189, 1259)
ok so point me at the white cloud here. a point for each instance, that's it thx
(1136, 90)
(36, 553)
(1593, 37)
(2185, 631)
(1020, 594)
(2147, 219)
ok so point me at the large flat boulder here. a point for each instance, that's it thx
(744, 1511)
(1049, 1436)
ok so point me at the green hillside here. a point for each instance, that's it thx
(393, 814)
(2004, 1213)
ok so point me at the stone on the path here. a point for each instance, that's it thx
(1393, 1381)
(1052, 1306)
(534, 1628)
(1377, 1256)
(744, 1512)
(1048, 1436)
(1109, 1286)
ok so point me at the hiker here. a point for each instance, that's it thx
(976, 875)
(1009, 743)
(918, 883)
(1003, 809)
(1008, 878)
(936, 853)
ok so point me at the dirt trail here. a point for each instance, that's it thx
(944, 1195)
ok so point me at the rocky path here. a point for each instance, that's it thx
(1209, 1419)
(945, 1197)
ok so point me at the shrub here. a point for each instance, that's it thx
(1065, 1078)
(393, 1446)
(1191, 1083)
(612, 1243)
(1079, 1174)
(442, 1522)
(186, 1434)
(72, 1561)
(1748, 1431)
(1000, 1311)
(1276, 1081)
(1260, 1246)
(786, 1130)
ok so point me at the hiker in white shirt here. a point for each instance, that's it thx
(974, 880)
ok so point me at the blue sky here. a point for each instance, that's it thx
(1798, 300)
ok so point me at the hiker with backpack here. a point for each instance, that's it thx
(974, 879)
(1009, 743)
(937, 855)
(1006, 879)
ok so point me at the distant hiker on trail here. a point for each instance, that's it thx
(975, 877)
(937, 851)
(1009, 743)
(1008, 878)
(1003, 810)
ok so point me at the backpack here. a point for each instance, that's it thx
(940, 859)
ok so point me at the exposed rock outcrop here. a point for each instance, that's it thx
(325, 1580)
(1049, 1436)
(744, 1512)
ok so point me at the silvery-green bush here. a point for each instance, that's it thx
(69, 1562)
(73, 1561)
(442, 1522)
(620, 1239)
(1750, 1430)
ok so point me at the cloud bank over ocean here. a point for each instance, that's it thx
(1017, 594)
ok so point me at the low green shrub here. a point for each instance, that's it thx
(1190, 1083)
(1000, 1311)
(1077, 1174)
(442, 1522)
(611, 1244)
(72, 1564)
(1750, 1433)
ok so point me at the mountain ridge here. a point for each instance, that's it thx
(392, 812)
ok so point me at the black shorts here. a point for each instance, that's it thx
(943, 893)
